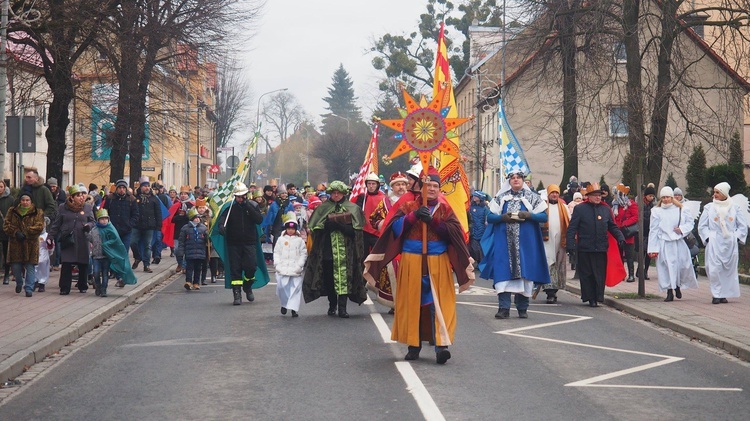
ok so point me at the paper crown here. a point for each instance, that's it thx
(185, 189)
(396, 177)
(200, 202)
(288, 219)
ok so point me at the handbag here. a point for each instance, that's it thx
(690, 238)
(68, 240)
(630, 230)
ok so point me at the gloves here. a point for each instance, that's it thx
(423, 214)
(20, 236)
(222, 229)
(50, 243)
(86, 228)
(524, 214)
(506, 218)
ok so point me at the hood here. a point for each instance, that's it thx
(6, 193)
(40, 182)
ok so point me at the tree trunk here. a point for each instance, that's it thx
(566, 28)
(62, 96)
(634, 86)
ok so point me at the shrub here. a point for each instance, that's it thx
(696, 174)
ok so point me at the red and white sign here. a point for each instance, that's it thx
(214, 169)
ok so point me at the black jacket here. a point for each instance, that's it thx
(591, 223)
(123, 212)
(149, 210)
(240, 225)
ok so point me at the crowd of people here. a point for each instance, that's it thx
(400, 238)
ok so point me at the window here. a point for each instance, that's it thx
(619, 52)
(618, 121)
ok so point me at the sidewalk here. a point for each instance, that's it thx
(34, 327)
(725, 326)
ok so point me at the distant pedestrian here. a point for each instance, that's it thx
(43, 267)
(6, 202)
(645, 205)
(193, 244)
(149, 221)
(289, 259)
(74, 219)
(626, 218)
(723, 228)
(670, 223)
(22, 225)
(108, 254)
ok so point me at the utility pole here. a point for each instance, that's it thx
(3, 83)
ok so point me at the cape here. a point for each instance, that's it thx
(113, 248)
(389, 245)
(615, 269)
(219, 243)
(168, 228)
(312, 284)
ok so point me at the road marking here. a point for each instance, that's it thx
(188, 341)
(592, 381)
(415, 386)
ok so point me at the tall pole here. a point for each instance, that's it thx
(257, 128)
(3, 82)
(187, 133)
(348, 127)
(478, 122)
(198, 146)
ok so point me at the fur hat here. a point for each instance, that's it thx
(396, 177)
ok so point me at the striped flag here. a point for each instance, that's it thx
(224, 193)
(370, 165)
(511, 153)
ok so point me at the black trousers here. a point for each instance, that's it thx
(66, 277)
(592, 272)
(193, 270)
(242, 258)
(370, 241)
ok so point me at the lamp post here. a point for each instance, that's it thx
(257, 126)
(348, 128)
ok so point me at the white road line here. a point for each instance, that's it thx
(421, 395)
(385, 332)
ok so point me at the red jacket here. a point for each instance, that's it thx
(627, 217)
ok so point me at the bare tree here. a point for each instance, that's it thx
(284, 113)
(59, 32)
(232, 94)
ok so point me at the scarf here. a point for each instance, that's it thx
(666, 206)
(564, 222)
(23, 210)
(722, 209)
(620, 201)
(73, 206)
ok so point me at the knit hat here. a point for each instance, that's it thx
(678, 192)
(102, 213)
(76, 188)
(144, 182)
(666, 191)
(605, 188)
(724, 188)
(649, 190)
(268, 188)
(553, 188)
(173, 188)
(121, 182)
(432, 174)
(577, 195)
(52, 181)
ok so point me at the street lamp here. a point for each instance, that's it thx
(343, 118)
(257, 126)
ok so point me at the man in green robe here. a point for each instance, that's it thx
(334, 265)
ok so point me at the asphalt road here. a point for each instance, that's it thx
(193, 356)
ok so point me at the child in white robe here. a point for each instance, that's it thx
(289, 257)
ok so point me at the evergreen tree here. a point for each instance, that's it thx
(628, 169)
(540, 186)
(601, 180)
(341, 102)
(696, 173)
(735, 151)
(670, 181)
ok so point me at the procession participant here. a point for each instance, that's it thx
(212, 258)
(368, 202)
(513, 246)
(149, 221)
(272, 226)
(723, 227)
(425, 298)
(109, 254)
(553, 234)
(670, 223)
(239, 225)
(289, 257)
(626, 215)
(23, 224)
(334, 265)
(478, 211)
(193, 244)
(587, 234)
(178, 220)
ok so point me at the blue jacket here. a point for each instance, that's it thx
(193, 242)
(123, 212)
(478, 217)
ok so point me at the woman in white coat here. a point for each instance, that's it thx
(721, 227)
(670, 223)
(289, 256)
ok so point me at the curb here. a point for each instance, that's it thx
(735, 348)
(744, 279)
(19, 362)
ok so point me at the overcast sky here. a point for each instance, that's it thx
(300, 43)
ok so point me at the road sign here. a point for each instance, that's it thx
(233, 161)
(148, 169)
(213, 169)
(224, 149)
(259, 172)
(12, 129)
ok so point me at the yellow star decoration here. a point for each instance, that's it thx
(423, 128)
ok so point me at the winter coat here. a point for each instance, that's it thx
(627, 217)
(239, 223)
(180, 219)
(59, 196)
(69, 221)
(6, 202)
(289, 255)
(149, 212)
(96, 243)
(41, 197)
(123, 212)
(590, 223)
(31, 225)
(478, 217)
(193, 242)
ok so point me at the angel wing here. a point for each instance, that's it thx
(694, 206)
(741, 201)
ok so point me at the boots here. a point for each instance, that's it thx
(502, 313)
(678, 293)
(6, 279)
(342, 307)
(670, 296)
(332, 301)
(237, 293)
(247, 286)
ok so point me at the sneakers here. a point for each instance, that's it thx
(120, 283)
(28, 293)
(188, 286)
(156, 261)
(103, 292)
(135, 264)
(503, 313)
(178, 270)
(197, 287)
(147, 269)
(630, 279)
